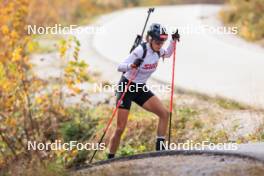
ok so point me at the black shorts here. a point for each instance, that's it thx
(137, 92)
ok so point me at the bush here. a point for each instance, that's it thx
(247, 15)
(78, 129)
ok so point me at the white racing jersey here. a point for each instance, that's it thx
(149, 64)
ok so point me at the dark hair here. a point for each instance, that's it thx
(147, 38)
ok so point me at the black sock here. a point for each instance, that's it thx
(160, 142)
(110, 155)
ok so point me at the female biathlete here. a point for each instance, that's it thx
(145, 59)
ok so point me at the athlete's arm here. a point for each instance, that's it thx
(127, 64)
(168, 52)
(165, 53)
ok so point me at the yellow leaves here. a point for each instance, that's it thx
(62, 51)
(69, 82)
(11, 122)
(62, 48)
(75, 70)
(5, 29)
(39, 100)
(141, 148)
(14, 35)
(247, 16)
(246, 33)
(239, 141)
(32, 46)
(16, 54)
(42, 100)
(76, 90)
(60, 110)
(83, 74)
(7, 86)
(73, 152)
(78, 81)
(73, 88)
(59, 152)
(23, 9)
(2, 72)
(69, 70)
(10, 7)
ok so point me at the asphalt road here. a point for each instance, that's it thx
(211, 63)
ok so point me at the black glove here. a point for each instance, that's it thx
(176, 36)
(138, 62)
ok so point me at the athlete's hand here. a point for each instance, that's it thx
(133, 66)
(176, 36)
(137, 63)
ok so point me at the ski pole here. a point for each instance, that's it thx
(133, 75)
(172, 89)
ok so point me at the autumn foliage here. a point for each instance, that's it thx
(31, 109)
(248, 16)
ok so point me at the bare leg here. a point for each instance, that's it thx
(154, 105)
(122, 116)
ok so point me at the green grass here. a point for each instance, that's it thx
(221, 101)
(262, 136)
(188, 123)
(229, 104)
(186, 112)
